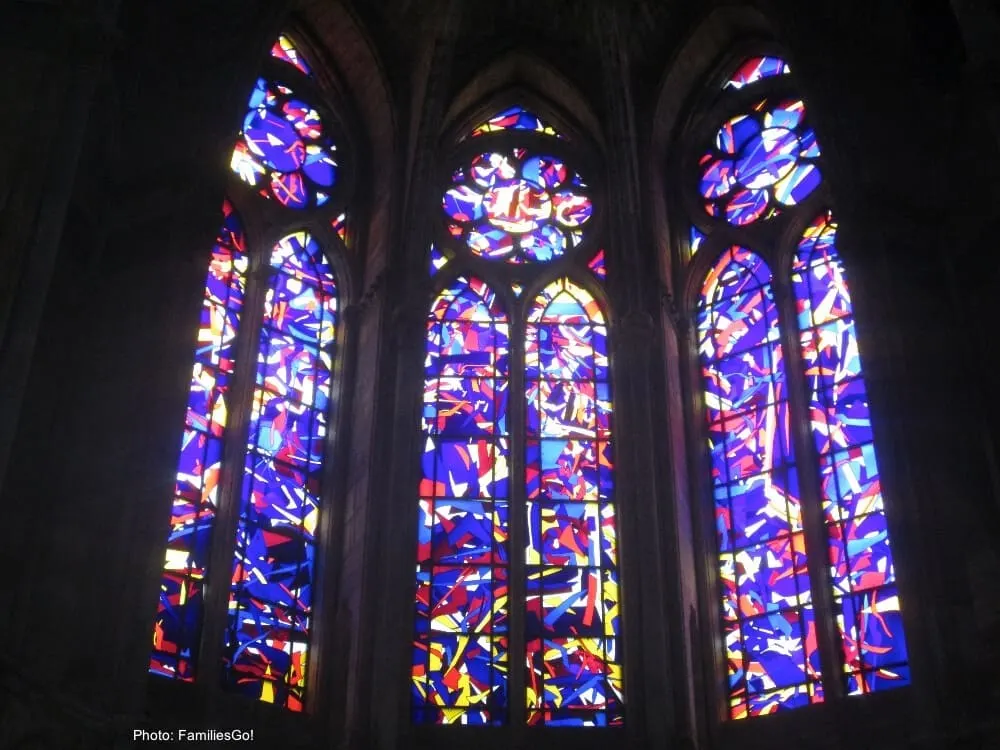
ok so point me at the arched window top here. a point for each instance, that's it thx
(783, 471)
(737, 271)
(301, 256)
(284, 151)
(818, 243)
(517, 205)
(565, 303)
(224, 285)
(756, 69)
(302, 300)
(515, 118)
(467, 299)
(737, 306)
(284, 49)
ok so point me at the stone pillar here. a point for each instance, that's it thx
(653, 615)
(91, 474)
(386, 622)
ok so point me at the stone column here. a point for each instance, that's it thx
(386, 621)
(652, 611)
(91, 474)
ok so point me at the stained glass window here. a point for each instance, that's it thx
(553, 531)
(864, 579)
(339, 225)
(265, 627)
(460, 654)
(518, 206)
(284, 49)
(695, 240)
(574, 673)
(270, 602)
(767, 620)
(284, 148)
(764, 161)
(516, 118)
(177, 629)
(438, 260)
(597, 265)
(755, 69)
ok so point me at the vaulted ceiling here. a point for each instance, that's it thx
(566, 34)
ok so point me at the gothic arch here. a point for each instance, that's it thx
(275, 295)
(354, 75)
(523, 78)
(699, 245)
(699, 62)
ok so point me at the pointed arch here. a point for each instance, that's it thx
(286, 148)
(756, 178)
(460, 660)
(521, 79)
(251, 633)
(696, 72)
(572, 630)
(766, 596)
(270, 601)
(517, 212)
(177, 626)
(285, 49)
(865, 595)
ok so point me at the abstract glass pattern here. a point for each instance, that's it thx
(285, 148)
(762, 160)
(755, 69)
(596, 265)
(438, 260)
(866, 599)
(767, 616)
(515, 118)
(695, 241)
(270, 600)
(177, 629)
(517, 206)
(339, 225)
(574, 672)
(284, 49)
(460, 660)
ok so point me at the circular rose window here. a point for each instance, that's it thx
(517, 206)
(284, 148)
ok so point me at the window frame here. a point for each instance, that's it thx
(265, 222)
(776, 241)
(582, 155)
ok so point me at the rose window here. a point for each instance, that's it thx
(517, 206)
(762, 160)
(284, 146)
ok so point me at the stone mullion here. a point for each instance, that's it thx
(366, 321)
(815, 531)
(190, 219)
(649, 644)
(327, 672)
(218, 579)
(388, 604)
